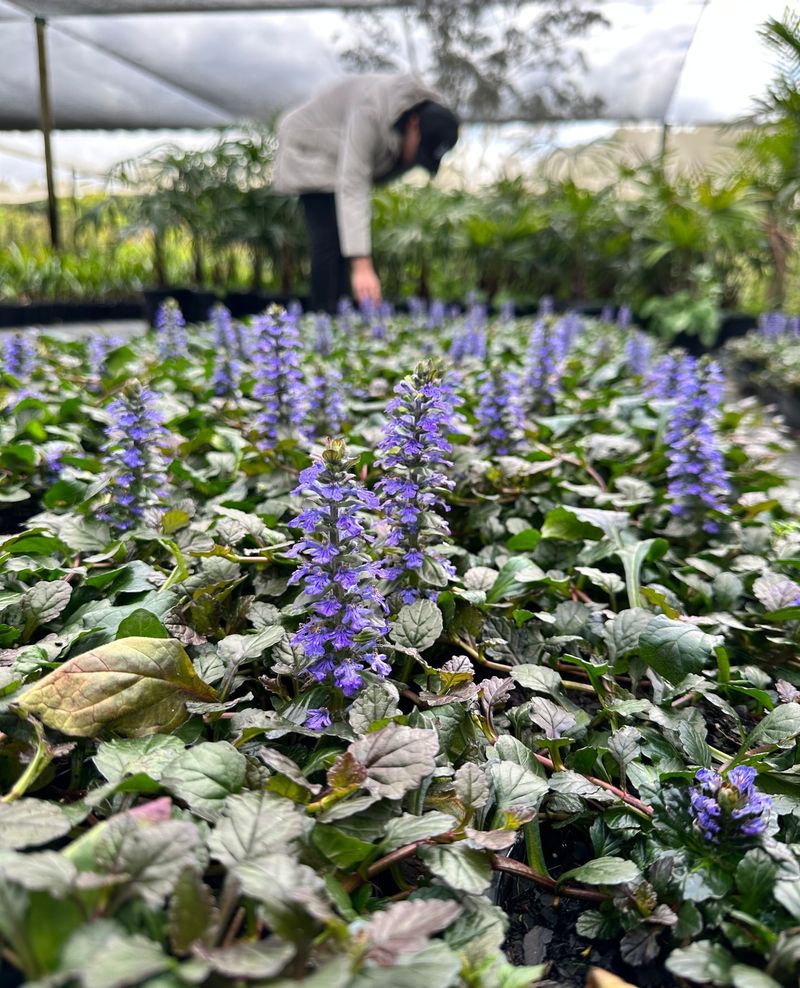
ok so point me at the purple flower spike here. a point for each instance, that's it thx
(171, 329)
(471, 342)
(500, 412)
(662, 378)
(637, 353)
(338, 574)
(542, 370)
(135, 457)
(227, 369)
(436, 314)
(773, 324)
(19, 355)
(728, 808)
(323, 327)
(326, 404)
(279, 381)
(698, 482)
(414, 455)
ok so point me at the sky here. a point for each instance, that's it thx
(259, 64)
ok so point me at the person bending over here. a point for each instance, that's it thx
(366, 129)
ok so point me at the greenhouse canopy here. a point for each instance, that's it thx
(129, 64)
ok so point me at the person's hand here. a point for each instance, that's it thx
(366, 285)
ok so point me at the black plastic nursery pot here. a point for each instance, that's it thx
(53, 313)
(14, 515)
(251, 303)
(194, 304)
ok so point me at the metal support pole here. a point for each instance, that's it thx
(47, 125)
(662, 152)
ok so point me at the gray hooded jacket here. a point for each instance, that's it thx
(343, 141)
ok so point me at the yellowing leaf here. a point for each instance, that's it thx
(133, 687)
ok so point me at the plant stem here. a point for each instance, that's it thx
(523, 871)
(636, 804)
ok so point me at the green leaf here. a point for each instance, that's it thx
(604, 871)
(292, 895)
(675, 649)
(418, 625)
(408, 828)
(632, 558)
(541, 679)
(461, 867)
(693, 742)
(471, 786)
(31, 822)
(205, 775)
(43, 603)
(624, 747)
(134, 687)
(554, 720)
(515, 786)
(376, 702)
(727, 589)
(755, 878)
(125, 960)
(513, 579)
(703, 961)
(334, 974)
(237, 648)
(129, 756)
(192, 912)
(340, 848)
(396, 759)
(775, 591)
(524, 541)
(562, 523)
(787, 893)
(436, 965)
(141, 624)
(148, 859)
(406, 927)
(780, 727)
(42, 871)
(253, 825)
(744, 976)
(610, 582)
(623, 631)
(249, 961)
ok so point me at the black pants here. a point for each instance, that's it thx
(330, 272)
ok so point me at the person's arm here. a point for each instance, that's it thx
(354, 202)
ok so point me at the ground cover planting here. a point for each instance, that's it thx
(371, 650)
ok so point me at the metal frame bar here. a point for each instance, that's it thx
(47, 126)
